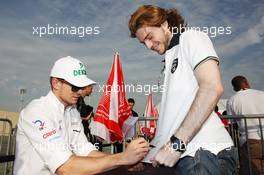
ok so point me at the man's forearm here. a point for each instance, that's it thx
(78, 165)
(97, 162)
(201, 108)
(97, 154)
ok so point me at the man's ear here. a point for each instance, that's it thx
(56, 83)
(165, 25)
(247, 84)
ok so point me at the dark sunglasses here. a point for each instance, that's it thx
(73, 88)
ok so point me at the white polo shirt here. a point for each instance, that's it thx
(47, 136)
(185, 53)
(249, 101)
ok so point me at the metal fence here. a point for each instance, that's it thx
(247, 133)
(7, 146)
(239, 128)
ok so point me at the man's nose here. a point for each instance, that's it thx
(148, 44)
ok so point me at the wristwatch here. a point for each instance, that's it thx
(177, 144)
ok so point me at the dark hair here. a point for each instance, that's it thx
(237, 82)
(131, 100)
(216, 108)
(149, 15)
(83, 108)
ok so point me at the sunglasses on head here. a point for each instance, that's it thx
(73, 88)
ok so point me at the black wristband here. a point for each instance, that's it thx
(177, 144)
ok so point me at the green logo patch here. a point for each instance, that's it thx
(80, 71)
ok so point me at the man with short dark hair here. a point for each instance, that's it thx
(118, 147)
(240, 83)
(248, 101)
(189, 136)
(50, 138)
(131, 103)
(86, 114)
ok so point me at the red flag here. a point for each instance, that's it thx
(150, 127)
(113, 109)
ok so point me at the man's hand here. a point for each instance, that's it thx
(135, 151)
(166, 156)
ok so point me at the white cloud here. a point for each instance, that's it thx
(250, 37)
(25, 59)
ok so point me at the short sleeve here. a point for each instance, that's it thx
(81, 145)
(42, 133)
(197, 47)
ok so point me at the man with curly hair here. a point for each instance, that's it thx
(189, 136)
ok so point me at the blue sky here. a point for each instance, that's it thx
(26, 59)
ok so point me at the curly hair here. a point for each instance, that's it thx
(149, 15)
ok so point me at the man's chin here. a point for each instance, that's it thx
(161, 52)
(74, 101)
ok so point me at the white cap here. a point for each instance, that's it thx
(72, 70)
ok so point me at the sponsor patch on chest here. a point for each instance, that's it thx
(174, 65)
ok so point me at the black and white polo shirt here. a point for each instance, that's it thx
(185, 53)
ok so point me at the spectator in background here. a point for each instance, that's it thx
(131, 103)
(216, 111)
(133, 131)
(118, 147)
(86, 113)
(248, 101)
(85, 110)
(224, 121)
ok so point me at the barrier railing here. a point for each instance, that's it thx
(7, 146)
(142, 121)
(241, 124)
(7, 139)
(247, 133)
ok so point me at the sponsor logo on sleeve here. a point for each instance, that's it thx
(48, 134)
(75, 130)
(40, 124)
